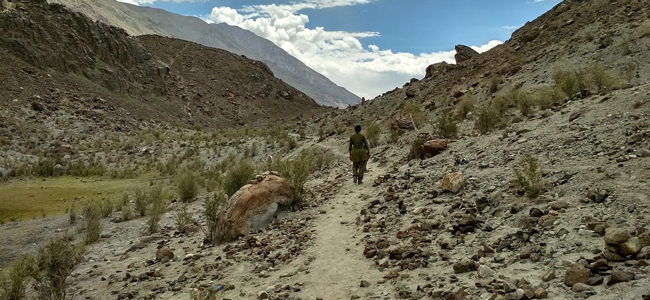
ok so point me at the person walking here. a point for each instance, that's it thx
(359, 151)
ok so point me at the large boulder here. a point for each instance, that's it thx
(253, 207)
(438, 68)
(432, 148)
(464, 53)
(402, 124)
(453, 182)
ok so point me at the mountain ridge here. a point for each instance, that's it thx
(145, 20)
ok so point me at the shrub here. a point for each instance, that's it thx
(187, 187)
(601, 77)
(495, 80)
(321, 133)
(525, 104)
(210, 212)
(182, 218)
(549, 96)
(92, 213)
(414, 111)
(629, 72)
(54, 264)
(446, 126)
(72, 215)
(107, 208)
(567, 82)
(465, 106)
(528, 176)
(157, 209)
(487, 119)
(141, 203)
(373, 132)
(13, 288)
(415, 146)
(238, 175)
(394, 136)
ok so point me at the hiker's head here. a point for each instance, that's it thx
(357, 128)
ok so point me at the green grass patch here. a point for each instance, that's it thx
(33, 198)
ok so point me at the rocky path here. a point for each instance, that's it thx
(338, 265)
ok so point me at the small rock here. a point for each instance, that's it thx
(549, 275)
(364, 283)
(540, 293)
(557, 205)
(581, 287)
(164, 252)
(616, 236)
(576, 274)
(419, 210)
(620, 276)
(485, 272)
(631, 247)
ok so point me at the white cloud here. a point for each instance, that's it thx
(366, 71)
(139, 2)
(129, 2)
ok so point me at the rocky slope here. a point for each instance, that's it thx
(144, 20)
(57, 59)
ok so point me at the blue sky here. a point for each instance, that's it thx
(368, 46)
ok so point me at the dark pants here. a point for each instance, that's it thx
(359, 168)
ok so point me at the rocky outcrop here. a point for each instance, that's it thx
(432, 148)
(253, 207)
(50, 36)
(464, 53)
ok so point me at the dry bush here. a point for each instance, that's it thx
(465, 106)
(525, 102)
(528, 176)
(182, 218)
(415, 147)
(54, 265)
(93, 217)
(72, 214)
(107, 208)
(187, 187)
(210, 212)
(237, 176)
(157, 209)
(373, 132)
(601, 78)
(495, 81)
(549, 96)
(629, 72)
(568, 82)
(13, 287)
(446, 125)
(414, 111)
(141, 202)
(487, 119)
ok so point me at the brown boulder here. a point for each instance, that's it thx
(402, 124)
(453, 182)
(577, 274)
(615, 236)
(164, 252)
(253, 207)
(441, 67)
(432, 148)
(620, 276)
(464, 53)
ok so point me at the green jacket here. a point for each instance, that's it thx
(359, 148)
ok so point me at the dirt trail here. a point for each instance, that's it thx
(339, 265)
